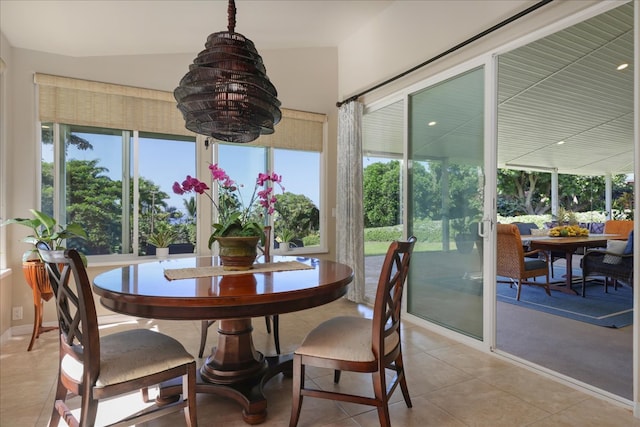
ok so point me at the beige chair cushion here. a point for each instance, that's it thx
(615, 247)
(344, 338)
(131, 354)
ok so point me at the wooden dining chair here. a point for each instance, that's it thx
(95, 367)
(356, 344)
(269, 320)
(517, 265)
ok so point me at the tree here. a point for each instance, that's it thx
(426, 197)
(93, 200)
(522, 192)
(153, 207)
(79, 142)
(296, 213)
(529, 193)
(381, 194)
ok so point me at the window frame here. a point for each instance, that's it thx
(203, 156)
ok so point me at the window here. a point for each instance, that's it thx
(95, 176)
(111, 153)
(92, 183)
(162, 160)
(297, 216)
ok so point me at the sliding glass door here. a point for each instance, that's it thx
(473, 148)
(445, 193)
(565, 105)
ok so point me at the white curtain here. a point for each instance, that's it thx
(349, 216)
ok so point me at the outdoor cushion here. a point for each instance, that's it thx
(534, 265)
(616, 247)
(629, 248)
(525, 227)
(539, 232)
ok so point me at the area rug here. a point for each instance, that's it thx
(612, 310)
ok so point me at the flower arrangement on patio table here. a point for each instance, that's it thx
(235, 219)
(568, 231)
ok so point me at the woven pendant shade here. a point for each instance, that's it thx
(226, 94)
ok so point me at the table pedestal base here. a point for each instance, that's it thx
(235, 370)
(562, 287)
(249, 394)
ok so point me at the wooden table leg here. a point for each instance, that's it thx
(567, 288)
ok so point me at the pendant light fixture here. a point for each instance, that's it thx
(226, 94)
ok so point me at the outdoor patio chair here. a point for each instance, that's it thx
(515, 264)
(614, 264)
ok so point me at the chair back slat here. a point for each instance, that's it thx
(510, 254)
(615, 226)
(388, 302)
(76, 310)
(265, 247)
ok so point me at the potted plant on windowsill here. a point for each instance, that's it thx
(161, 239)
(239, 226)
(284, 239)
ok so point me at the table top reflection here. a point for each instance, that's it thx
(143, 290)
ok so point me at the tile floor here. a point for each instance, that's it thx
(450, 385)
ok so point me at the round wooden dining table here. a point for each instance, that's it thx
(235, 369)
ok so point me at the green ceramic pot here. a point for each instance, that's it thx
(238, 253)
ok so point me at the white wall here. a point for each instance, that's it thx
(6, 279)
(306, 79)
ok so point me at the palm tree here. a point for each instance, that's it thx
(190, 206)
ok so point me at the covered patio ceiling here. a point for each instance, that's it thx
(563, 104)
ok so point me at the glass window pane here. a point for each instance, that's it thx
(47, 162)
(92, 183)
(297, 218)
(382, 145)
(163, 160)
(446, 150)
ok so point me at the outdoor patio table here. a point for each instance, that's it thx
(569, 245)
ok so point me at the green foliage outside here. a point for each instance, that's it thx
(528, 193)
(311, 240)
(522, 197)
(381, 188)
(296, 217)
(94, 201)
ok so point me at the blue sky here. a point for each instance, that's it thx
(165, 162)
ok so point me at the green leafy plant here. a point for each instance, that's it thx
(162, 237)
(286, 235)
(234, 217)
(46, 229)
